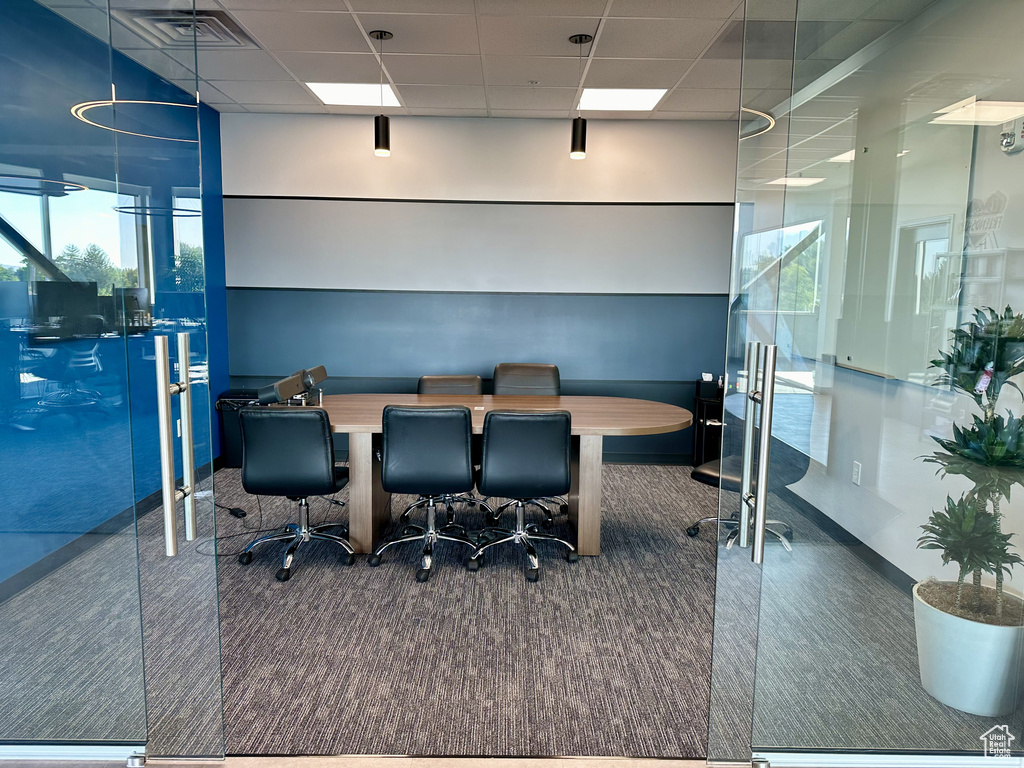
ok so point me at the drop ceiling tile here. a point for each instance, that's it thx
(659, 115)
(413, 6)
(714, 73)
(593, 8)
(851, 39)
(163, 5)
(772, 10)
(272, 109)
(531, 114)
(271, 92)
(444, 96)
(435, 70)
(361, 111)
(238, 65)
(702, 100)
(532, 36)
(767, 73)
(676, 9)
(212, 95)
(548, 71)
(635, 73)
(290, 5)
(159, 62)
(897, 10)
(531, 98)
(427, 112)
(332, 67)
(424, 34)
(767, 100)
(834, 10)
(278, 31)
(229, 107)
(657, 38)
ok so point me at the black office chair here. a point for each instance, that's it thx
(288, 451)
(788, 465)
(426, 452)
(531, 379)
(455, 384)
(450, 385)
(526, 458)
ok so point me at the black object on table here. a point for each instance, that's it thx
(229, 404)
(708, 409)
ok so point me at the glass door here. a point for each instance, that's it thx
(112, 646)
(874, 248)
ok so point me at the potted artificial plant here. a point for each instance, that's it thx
(969, 636)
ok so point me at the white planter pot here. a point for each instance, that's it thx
(967, 665)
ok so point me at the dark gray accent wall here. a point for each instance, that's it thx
(647, 346)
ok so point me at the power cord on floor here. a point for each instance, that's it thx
(258, 529)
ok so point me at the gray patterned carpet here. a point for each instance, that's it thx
(607, 656)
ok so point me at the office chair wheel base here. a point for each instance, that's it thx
(572, 556)
(532, 574)
(693, 530)
(548, 523)
(563, 508)
(422, 575)
(283, 574)
(492, 519)
(373, 561)
(473, 565)
(245, 558)
(348, 559)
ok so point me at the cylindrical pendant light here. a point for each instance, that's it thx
(578, 147)
(578, 150)
(382, 136)
(381, 123)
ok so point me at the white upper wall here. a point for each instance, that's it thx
(479, 159)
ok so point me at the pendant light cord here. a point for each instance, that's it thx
(382, 74)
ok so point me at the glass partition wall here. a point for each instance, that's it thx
(877, 247)
(113, 646)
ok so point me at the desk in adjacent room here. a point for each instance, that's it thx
(592, 419)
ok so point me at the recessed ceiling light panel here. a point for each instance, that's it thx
(846, 157)
(354, 94)
(621, 99)
(973, 112)
(797, 181)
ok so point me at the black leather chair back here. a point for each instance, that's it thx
(287, 451)
(526, 454)
(526, 379)
(450, 385)
(426, 450)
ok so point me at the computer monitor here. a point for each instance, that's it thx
(68, 302)
(14, 303)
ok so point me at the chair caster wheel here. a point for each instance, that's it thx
(693, 530)
(572, 556)
(373, 560)
(473, 565)
(470, 504)
(245, 558)
(422, 575)
(283, 574)
(348, 559)
(532, 574)
(563, 508)
(548, 524)
(788, 535)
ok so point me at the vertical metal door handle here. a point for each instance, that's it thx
(188, 449)
(165, 390)
(163, 402)
(753, 397)
(764, 452)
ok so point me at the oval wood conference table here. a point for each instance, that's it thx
(592, 419)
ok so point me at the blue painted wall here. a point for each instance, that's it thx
(648, 346)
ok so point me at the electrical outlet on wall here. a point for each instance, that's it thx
(856, 473)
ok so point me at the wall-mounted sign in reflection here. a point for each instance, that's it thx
(80, 111)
